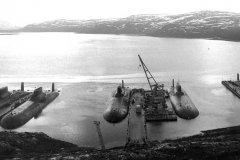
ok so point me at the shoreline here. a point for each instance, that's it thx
(222, 143)
(16, 32)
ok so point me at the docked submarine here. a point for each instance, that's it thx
(11, 100)
(29, 109)
(4, 96)
(7, 98)
(119, 105)
(182, 104)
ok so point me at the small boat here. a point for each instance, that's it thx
(182, 104)
(119, 105)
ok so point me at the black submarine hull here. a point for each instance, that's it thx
(117, 111)
(18, 99)
(31, 109)
(118, 106)
(183, 106)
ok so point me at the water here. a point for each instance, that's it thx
(88, 67)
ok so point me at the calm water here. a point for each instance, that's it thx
(88, 67)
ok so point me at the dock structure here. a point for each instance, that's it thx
(136, 131)
(97, 123)
(233, 86)
(157, 107)
(157, 104)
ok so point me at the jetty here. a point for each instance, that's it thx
(136, 129)
(233, 86)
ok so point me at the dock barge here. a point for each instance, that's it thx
(157, 105)
(233, 86)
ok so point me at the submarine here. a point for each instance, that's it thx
(181, 102)
(4, 96)
(29, 109)
(11, 100)
(118, 105)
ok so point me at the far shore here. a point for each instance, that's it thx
(13, 32)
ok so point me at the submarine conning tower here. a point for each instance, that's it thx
(53, 87)
(119, 92)
(4, 92)
(179, 90)
(178, 87)
(38, 95)
(22, 86)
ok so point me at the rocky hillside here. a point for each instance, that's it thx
(213, 144)
(204, 24)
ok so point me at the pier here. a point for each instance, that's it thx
(136, 130)
(233, 86)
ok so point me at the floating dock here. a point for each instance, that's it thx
(233, 86)
(157, 104)
(136, 131)
(157, 107)
(153, 104)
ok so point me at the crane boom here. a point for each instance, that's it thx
(148, 74)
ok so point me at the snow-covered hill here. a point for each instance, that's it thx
(4, 25)
(203, 24)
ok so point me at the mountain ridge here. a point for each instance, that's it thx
(201, 24)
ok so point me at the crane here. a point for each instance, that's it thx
(151, 81)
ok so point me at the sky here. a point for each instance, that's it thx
(22, 12)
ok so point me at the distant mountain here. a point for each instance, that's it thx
(203, 24)
(4, 25)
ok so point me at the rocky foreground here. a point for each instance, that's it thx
(212, 144)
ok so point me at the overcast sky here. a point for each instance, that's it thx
(22, 12)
